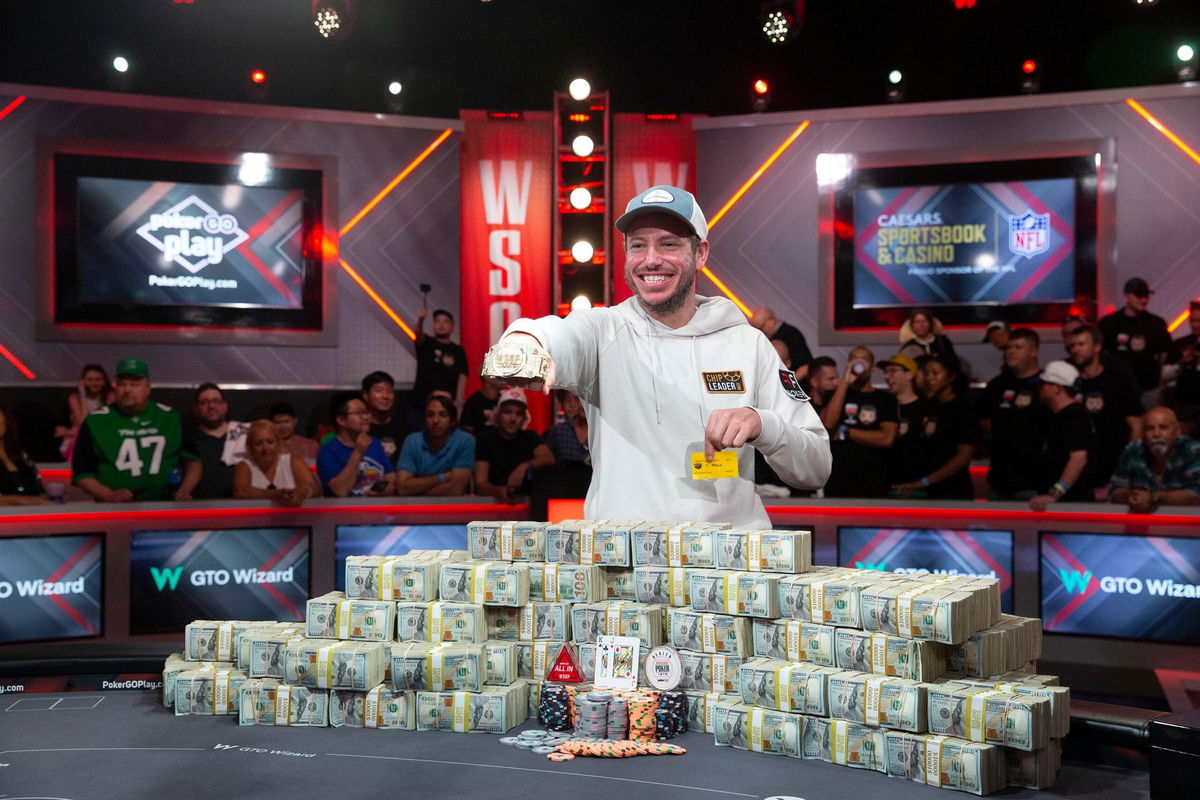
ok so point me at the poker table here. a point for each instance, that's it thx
(125, 744)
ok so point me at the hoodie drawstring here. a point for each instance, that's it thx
(651, 337)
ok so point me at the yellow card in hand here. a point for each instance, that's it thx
(723, 465)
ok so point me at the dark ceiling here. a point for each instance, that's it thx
(654, 55)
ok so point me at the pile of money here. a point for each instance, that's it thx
(332, 616)
(709, 633)
(1002, 647)
(673, 544)
(702, 709)
(531, 622)
(746, 594)
(878, 701)
(258, 649)
(266, 701)
(896, 656)
(176, 663)
(534, 658)
(617, 618)
(792, 640)
(333, 664)
(977, 714)
(827, 595)
(412, 576)
(666, 586)
(441, 622)
(500, 663)
(585, 542)
(760, 730)
(507, 541)
(567, 583)
(207, 691)
(213, 640)
(1059, 698)
(437, 667)
(1033, 770)
(945, 762)
(379, 707)
(496, 709)
(784, 686)
(490, 583)
(618, 585)
(838, 741)
(765, 551)
(709, 672)
(943, 608)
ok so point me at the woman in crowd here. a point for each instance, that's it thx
(437, 460)
(568, 440)
(271, 473)
(947, 437)
(20, 484)
(95, 391)
(921, 335)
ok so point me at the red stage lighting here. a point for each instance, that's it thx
(258, 76)
(579, 117)
(964, 4)
(1029, 66)
(761, 87)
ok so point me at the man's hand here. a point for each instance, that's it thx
(1141, 501)
(362, 442)
(517, 477)
(730, 427)
(422, 312)
(537, 384)
(1040, 502)
(121, 496)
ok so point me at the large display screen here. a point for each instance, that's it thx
(51, 587)
(393, 540)
(973, 241)
(986, 553)
(249, 573)
(180, 243)
(1132, 587)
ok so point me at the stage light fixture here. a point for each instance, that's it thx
(258, 76)
(760, 96)
(579, 89)
(780, 20)
(394, 88)
(583, 252)
(1031, 77)
(896, 86)
(580, 198)
(121, 64)
(1186, 54)
(963, 5)
(332, 18)
(581, 302)
(1146, 3)
(583, 146)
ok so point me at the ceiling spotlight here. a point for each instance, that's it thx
(1031, 76)
(121, 64)
(895, 76)
(258, 76)
(332, 18)
(583, 146)
(1146, 2)
(394, 88)
(896, 86)
(1185, 52)
(780, 20)
(583, 252)
(580, 198)
(1187, 62)
(328, 21)
(581, 302)
(760, 98)
(963, 5)
(580, 89)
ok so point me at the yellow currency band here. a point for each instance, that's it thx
(479, 583)
(783, 687)
(839, 740)
(708, 633)
(678, 583)
(879, 653)
(462, 712)
(541, 655)
(524, 622)
(719, 666)
(325, 665)
(1007, 688)
(612, 619)
(506, 541)
(435, 663)
(791, 638)
(220, 691)
(977, 715)
(587, 543)
(435, 621)
(675, 546)
(283, 705)
(755, 732)
(224, 641)
(754, 551)
(372, 718)
(933, 760)
(730, 592)
(386, 582)
(816, 601)
(342, 619)
(874, 700)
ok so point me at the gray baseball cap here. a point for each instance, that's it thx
(664, 199)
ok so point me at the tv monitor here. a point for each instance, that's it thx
(984, 553)
(247, 573)
(182, 240)
(393, 540)
(51, 587)
(1121, 585)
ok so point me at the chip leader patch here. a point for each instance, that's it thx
(791, 385)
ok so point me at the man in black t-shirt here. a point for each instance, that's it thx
(1110, 398)
(1013, 420)
(900, 373)
(1139, 338)
(477, 411)
(862, 424)
(441, 364)
(822, 381)
(379, 393)
(211, 448)
(506, 455)
(799, 356)
(1184, 359)
(1063, 464)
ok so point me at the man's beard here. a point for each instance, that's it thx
(683, 293)
(1159, 448)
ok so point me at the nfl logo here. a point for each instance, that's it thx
(1029, 234)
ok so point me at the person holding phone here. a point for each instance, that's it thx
(353, 463)
(441, 363)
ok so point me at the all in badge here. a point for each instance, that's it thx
(1029, 234)
(791, 385)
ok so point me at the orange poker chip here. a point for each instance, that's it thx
(560, 756)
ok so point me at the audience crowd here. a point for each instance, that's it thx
(1110, 419)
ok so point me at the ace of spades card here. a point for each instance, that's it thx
(617, 662)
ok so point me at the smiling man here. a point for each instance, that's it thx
(669, 380)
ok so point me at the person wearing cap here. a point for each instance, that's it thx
(900, 374)
(1139, 338)
(799, 356)
(506, 455)
(128, 450)
(352, 463)
(1110, 397)
(669, 378)
(862, 423)
(1161, 469)
(1063, 475)
(996, 334)
(439, 459)
(1013, 421)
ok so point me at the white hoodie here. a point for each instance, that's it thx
(648, 401)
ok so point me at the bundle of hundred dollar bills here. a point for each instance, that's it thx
(489, 583)
(258, 648)
(530, 622)
(535, 658)
(333, 664)
(709, 672)
(507, 541)
(785, 686)
(266, 701)
(567, 583)
(333, 616)
(761, 730)
(839, 741)
(617, 618)
(438, 667)
(379, 707)
(441, 622)
(666, 586)
(1002, 647)
(944, 761)
(213, 640)
(496, 709)
(576, 541)
(675, 544)
(176, 664)
(747, 594)
(207, 691)
(412, 576)
(765, 551)
(709, 633)
(980, 714)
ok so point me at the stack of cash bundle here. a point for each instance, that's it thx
(495, 709)
(177, 664)
(533, 621)
(265, 701)
(412, 576)
(438, 667)
(617, 618)
(441, 621)
(258, 648)
(489, 583)
(333, 616)
(507, 541)
(207, 691)
(381, 707)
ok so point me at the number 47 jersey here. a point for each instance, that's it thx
(130, 452)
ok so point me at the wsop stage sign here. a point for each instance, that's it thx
(51, 587)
